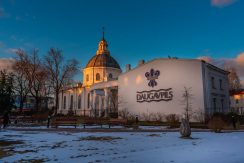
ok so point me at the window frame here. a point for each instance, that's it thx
(79, 101)
(71, 102)
(98, 77)
(221, 84)
(213, 82)
(64, 102)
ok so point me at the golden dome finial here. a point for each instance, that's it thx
(103, 45)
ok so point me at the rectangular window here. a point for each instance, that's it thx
(220, 84)
(71, 102)
(214, 105)
(213, 82)
(79, 101)
(222, 105)
(64, 102)
(88, 100)
(237, 101)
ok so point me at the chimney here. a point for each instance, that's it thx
(127, 67)
(141, 62)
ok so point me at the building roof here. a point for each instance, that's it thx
(103, 57)
(180, 60)
(103, 60)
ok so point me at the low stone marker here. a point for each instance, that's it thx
(185, 129)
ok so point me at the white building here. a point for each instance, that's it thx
(153, 87)
(6, 64)
(158, 86)
(237, 101)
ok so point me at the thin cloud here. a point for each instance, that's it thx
(237, 63)
(2, 44)
(3, 13)
(222, 3)
(240, 59)
(11, 50)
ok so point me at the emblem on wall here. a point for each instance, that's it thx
(154, 95)
(152, 75)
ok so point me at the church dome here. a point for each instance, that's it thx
(103, 57)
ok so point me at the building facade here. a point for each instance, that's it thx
(153, 87)
(159, 86)
(237, 101)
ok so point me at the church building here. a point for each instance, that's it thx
(153, 87)
(82, 99)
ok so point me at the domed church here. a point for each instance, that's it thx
(83, 99)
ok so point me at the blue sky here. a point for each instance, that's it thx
(134, 29)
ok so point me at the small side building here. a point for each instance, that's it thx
(237, 101)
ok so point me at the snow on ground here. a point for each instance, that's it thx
(123, 147)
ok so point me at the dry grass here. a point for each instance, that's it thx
(4, 153)
(100, 138)
(9, 143)
(7, 149)
(59, 145)
(154, 135)
(32, 160)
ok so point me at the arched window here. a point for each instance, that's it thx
(87, 77)
(110, 76)
(97, 77)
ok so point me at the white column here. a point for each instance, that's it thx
(106, 101)
(100, 105)
(94, 102)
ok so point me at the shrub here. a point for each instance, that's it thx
(146, 116)
(199, 116)
(124, 113)
(70, 112)
(217, 122)
(158, 117)
(172, 120)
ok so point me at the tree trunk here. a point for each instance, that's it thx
(21, 104)
(37, 104)
(56, 102)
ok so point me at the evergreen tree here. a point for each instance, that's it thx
(6, 92)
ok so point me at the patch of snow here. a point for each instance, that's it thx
(132, 147)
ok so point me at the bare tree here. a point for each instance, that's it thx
(20, 82)
(147, 116)
(158, 116)
(124, 113)
(34, 72)
(187, 96)
(199, 115)
(59, 72)
(114, 102)
(234, 81)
